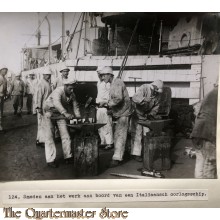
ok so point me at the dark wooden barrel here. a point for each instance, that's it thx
(157, 153)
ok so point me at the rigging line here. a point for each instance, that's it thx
(72, 35)
(151, 39)
(126, 53)
(72, 21)
(37, 29)
(56, 40)
(80, 34)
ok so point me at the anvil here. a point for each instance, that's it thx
(156, 126)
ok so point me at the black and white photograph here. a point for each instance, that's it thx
(108, 95)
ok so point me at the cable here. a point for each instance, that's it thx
(72, 21)
(126, 53)
(151, 39)
(72, 35)
(80, 34)
(56, 40)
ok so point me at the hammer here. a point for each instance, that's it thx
(88, 102)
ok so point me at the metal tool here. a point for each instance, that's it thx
(58, 117)
(88, 102)
(153, 173)
(87, 109)
(92, 126)
(157, 126)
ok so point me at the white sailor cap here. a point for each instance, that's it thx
(106, 70)
(159, 85)
(18, 74)
(3, 67)
(99, 69)
(69, 82)
(47, 72)
(66, 69)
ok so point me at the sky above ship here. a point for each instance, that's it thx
(18, 30)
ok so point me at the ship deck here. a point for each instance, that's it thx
(21, 160)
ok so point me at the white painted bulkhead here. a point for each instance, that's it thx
(190, 77)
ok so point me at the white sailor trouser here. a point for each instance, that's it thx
(205, 167)
(137, 132)
(50, 148)
(106, 132)
(1, 110)
(40, 128)
(120, 137)
(136, 137)
(34, 104)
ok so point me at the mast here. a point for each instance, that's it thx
(63, 35)
(160, 39)
(38, 32)
(49, 46)
(85, 37)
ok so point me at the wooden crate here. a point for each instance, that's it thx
(157, 153)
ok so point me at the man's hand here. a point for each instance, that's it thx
(79, 121)
(146, 100)
(103, 104)
(78, 118)
(154, 117)
(68, 116)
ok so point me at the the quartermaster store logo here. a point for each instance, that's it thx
(31, 213)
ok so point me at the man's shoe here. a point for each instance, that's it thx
(1, 130)
(137, 158)
(115, 163)
(40, 144)
(69, 160)
(52, 164)
(29, 113)
(15, 112)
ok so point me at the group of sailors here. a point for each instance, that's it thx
(45, 98)
(114, 102)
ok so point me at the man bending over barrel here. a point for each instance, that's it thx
(146, 101)
(62, 102)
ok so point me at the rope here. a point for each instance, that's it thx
(73, 21)
(126, 53)
(151, 39)
(72, 35)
